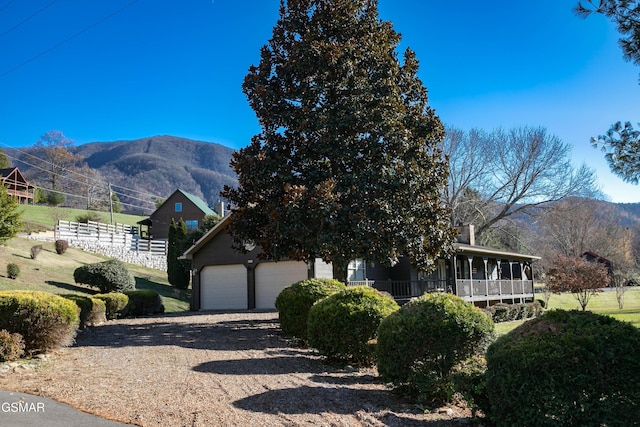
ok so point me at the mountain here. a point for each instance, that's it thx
(159, 165)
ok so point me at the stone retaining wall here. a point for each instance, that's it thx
(121, 253)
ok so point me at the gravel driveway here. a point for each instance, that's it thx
(213, 369)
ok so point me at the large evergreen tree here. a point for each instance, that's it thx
(9, 216)
(177, 270)
(346, 165)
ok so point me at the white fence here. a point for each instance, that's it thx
(115, 241)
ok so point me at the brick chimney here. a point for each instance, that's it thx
(467, 234)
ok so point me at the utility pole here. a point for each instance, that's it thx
(110, 203)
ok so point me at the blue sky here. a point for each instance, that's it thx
(105, 70)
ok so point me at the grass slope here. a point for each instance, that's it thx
(51, 272)
(604, 303)
(37, 218)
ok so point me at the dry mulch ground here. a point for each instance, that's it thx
(216, 369)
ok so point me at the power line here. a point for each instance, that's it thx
(68, 39)
(86, 177)
(37, 12)
(6, 5)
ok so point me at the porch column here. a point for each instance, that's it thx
(485, 260)
(499, 267)
(521, 282)
(470, 261)
(511, 277)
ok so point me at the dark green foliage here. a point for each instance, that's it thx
(207, 223)
(55, 198)
(419, 344)
(347, 164)
(342, 326)
(11, 346)
(565, 368)
(509, 312)
(13, 271)
(45, 321)
(178, 271)
(35, 250)
(9, 216)
(107, 276)
(90, 216)
(4, 160)
(468, 378)
(621, 145)
(61, 246)
(92, 310)
(295, 301)
(115, 302)
(143, 303)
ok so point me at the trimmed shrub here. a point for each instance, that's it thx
(35, 250)
(45, 321)
(569, 368)
(107, 276)
(143, 303)
(61, 246)
(419, 344)
(342, 326)
(13, 271)
(294, 301)
(92, 310)
(468, 378)
(89, 216)
(11, 346)
(115, 302)
(508, 312)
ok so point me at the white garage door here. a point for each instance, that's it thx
(272, 277)
(223, 287)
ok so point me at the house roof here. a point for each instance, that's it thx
(6, 172)
(201, 204)
(460, 247)
(598, 257)
(219, 227)
(484, 250)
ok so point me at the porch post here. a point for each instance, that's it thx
(485, 260)
(499, 267)
(470, 261)
(511, 277)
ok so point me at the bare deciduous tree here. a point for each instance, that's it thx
(511, 171)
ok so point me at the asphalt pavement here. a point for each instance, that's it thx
(25, 410)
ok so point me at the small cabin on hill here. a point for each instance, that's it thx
(594, 257)
(16, 185)
(179, 205)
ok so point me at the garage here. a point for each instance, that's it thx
(223, 287)
(272, 277)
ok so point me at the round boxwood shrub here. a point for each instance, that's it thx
(419, 344)
(45, 321)
(343, 325)
(61, 246)
(568, 368)
(107, 276)
(294, 301)
(92, 310)
(11, 346)
(13, 271)
(115, 304)
(143, 302)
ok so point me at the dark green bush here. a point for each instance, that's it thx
(61, 246)
(294, 301)
(45, 321)
(89, 216)
(509, 312)
(565, 368)
(342, 326)
(468, 378)
(107, 276)
(92, 310)
(419, 344)
(142, 303)
(35, 250)
(13, 271)
(115, 303)
(11, 346)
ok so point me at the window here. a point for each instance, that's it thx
(357, 270)
(179, 207)
(192, 224)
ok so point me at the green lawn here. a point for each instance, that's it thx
(604, 303)
(51, 272)
(39, 218)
